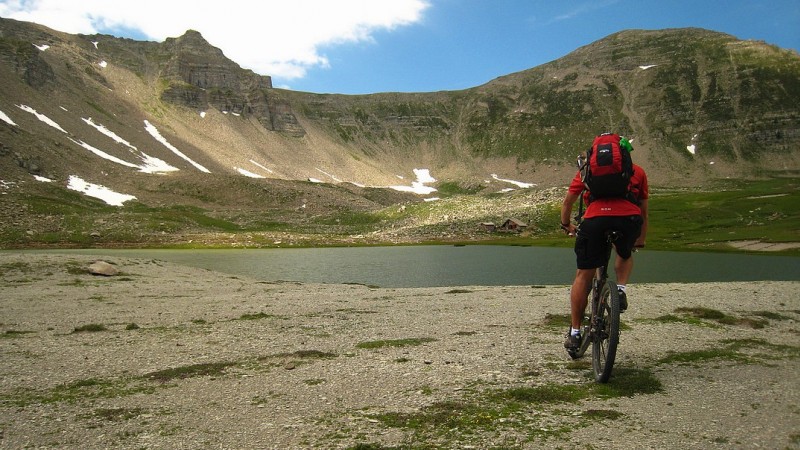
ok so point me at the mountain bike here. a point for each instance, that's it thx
(602, 327)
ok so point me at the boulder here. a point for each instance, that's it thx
(103, 268)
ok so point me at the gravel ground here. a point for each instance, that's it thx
(188, 358)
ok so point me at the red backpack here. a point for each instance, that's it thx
(609, 168)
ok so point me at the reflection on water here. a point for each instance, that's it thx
(428, 266)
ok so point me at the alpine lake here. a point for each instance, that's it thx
(448, 265)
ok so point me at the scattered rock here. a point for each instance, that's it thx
(103, 268)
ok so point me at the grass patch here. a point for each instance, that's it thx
(753, 344)
(703, 313)
(458, 291)
(722, 318)
(90, 328)
(560, 321)
(627, 382)
(373, 446)
(305, 354)
(699, 356)
(602, 414)
(408, 342)
(734, 350)
(553, 393)
(256, 316)
(81, 390)
(516, 409)
(672, 318)
(117, 414)
(76, 268)
(465, 333)
(193, 370)
(295, 359)
(21, 267)
(770, 315)
(446, 415)
(15, 333)
(737, 210)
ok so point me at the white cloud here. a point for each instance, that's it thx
(581, 8)
(279, 38)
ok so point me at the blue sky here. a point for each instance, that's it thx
(367, 46)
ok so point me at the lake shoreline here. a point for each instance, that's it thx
(437, 265)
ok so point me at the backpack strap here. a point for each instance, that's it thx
(581, 209)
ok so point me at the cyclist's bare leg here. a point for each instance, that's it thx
(578, 295)
(623, 269)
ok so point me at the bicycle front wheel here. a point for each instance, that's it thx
(606, 332)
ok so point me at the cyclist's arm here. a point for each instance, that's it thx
(566, 211)
(643, 235)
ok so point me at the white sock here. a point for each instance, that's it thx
(621, 287)
(574, 331)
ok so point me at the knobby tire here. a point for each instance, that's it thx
(606, 336)
(586, 339)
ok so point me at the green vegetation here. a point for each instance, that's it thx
(305, 354)
(90, 328)
(193, 370)
(707, 317)
(255, 316)
(703, 220)
(93, 388)
(711, 218)
(516, 409)
(408, 342)
(8, 268)
(745, 351)
(78, 391)
(451, 188)
(15, 333)
(762, 211)
(722, 318)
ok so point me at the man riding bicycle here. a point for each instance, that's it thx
(627, 215)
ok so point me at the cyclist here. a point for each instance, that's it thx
(601, 215)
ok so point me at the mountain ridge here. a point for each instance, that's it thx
(699, 106)
(488, 125)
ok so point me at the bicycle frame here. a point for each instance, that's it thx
(602, 327)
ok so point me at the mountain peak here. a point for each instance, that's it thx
(193, 43)
(192, 36)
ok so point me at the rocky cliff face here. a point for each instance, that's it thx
(201, 77)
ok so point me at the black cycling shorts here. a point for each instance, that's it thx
(590, 243)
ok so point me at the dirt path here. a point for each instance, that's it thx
(186, 358)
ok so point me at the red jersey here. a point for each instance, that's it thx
(613, 206)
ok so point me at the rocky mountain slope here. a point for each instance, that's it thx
(178, 123)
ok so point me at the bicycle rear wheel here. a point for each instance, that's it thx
(606, 332)
(585, 339)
